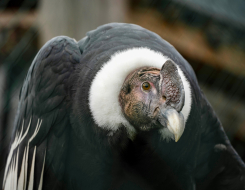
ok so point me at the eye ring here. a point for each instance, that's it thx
(146, 86)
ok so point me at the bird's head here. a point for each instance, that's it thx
(153, 98)
(141, 90)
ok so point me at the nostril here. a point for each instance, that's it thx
(164, 98)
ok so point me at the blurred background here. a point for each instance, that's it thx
(210, 34)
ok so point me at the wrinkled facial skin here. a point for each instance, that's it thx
(140, 105)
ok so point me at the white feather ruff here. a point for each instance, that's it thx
(106, 86)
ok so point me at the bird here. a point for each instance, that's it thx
(119, 109)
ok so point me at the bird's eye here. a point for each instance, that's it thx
(146, 85)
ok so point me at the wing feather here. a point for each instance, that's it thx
(41, 131)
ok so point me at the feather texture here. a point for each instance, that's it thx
(12, 182)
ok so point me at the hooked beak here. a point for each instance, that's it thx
(173, 120)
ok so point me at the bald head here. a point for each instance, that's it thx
(152, 98)
(139, 97)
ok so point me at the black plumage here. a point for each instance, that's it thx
(77, 154)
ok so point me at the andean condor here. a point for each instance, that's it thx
(119, 109)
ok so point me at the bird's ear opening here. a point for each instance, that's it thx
(171, 86)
